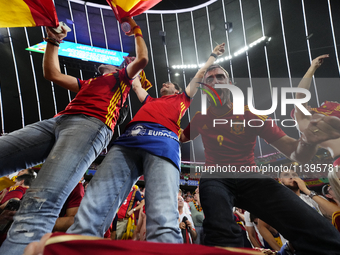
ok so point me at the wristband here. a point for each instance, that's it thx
(214, 55)
(137, 31)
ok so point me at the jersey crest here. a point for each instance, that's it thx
(237, 127)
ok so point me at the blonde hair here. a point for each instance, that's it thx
(334, 181)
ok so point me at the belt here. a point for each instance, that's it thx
(122, 219)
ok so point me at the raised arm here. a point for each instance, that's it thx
(51, 65)
(327, 208)
(191, 89)
(305, 83)
(307, 78)
(320, 129)
(141, 59)
(267, 235)
(140, 92)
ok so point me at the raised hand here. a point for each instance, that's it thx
(219, 49)
(132, 23)
(317, 62)
(58, 36)
(321, 128)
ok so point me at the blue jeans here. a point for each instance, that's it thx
(111, 185)
(68, 144)
(308, 231)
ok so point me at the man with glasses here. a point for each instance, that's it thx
(233, 146)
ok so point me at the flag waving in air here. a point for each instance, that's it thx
(130, 8)
(28, 13)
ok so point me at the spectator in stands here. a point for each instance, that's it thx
(291, 180)
(327, 108)
(67, 143)
(25, 171)
(333, 177)
(252, 230)
(197, 216)
(186, 225)
(186, 207)
(70, 209)
(188, 197)
(17, 191)
(240, 220)
(271, 237)
(232, 145)
(150, 147)
(127, 209)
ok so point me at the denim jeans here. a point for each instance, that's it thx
(68, 144)
(111, 185)
(309, 232)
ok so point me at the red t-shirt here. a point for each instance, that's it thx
(100, 97)
(14, 192)
(336, 220)
(129, 204)
(166, 110)
(73, 199)
(231, 144)
(329, 109)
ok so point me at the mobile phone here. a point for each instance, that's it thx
(61, 24)
(12, 205)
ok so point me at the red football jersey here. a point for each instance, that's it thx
(73, 199)
(128, 204)
(14, 192)
(232, 144)
(328, 108)
(336, 220)
(100, 98)
(166, 110)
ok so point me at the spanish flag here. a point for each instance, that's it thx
(146, 84)
(130, 8)
(28, 13)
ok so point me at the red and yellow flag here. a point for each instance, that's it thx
(146, 84)
(130, 8)
(28, 13)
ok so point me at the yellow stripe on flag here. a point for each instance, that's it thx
(5, 182)
(124, 4)
(15, 13)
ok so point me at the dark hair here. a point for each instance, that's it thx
(177, 87)
(283, 171)
(30, 171)
(252, 217)
(214, 66)
(28, 178)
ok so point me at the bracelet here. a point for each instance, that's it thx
(53, 41)
(214, 55)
